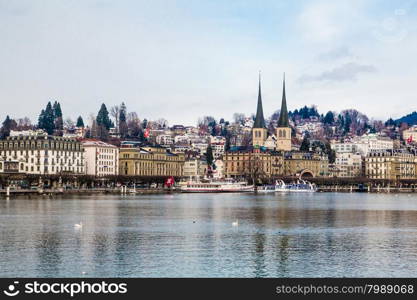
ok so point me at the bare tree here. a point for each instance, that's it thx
(254, 169)
(246, 139)
(161, 123)
(115, 113)
(24, 124)
(239, 118)
(133, 124)
(69, 124)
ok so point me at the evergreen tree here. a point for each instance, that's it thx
(58, 120)
(348, 122)
(227, 145)
(80, 122)
(305, 145)
(209, 156)
(123, 128)
(57, 109)
(41, 119)
(328, 118)
(103, 118)
(390, 122)
(46, 119)
(144, 123)
(330, 153)
(8, 125)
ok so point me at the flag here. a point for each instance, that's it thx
(146, 134)
(170, 181)
(410, 139)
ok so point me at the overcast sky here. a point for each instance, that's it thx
(182, 59)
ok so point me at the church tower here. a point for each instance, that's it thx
(283, 131)
(259, 131)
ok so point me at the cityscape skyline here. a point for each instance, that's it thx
(203, 57)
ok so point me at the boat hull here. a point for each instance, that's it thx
(208, 190)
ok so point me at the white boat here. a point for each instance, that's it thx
(272, 188)
(226, 186)
(300, 186)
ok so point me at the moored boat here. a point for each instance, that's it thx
(301, 186)
(225, 186)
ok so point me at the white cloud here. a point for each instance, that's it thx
(345, 72)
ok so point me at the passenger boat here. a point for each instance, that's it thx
(272, 188)
(224, 186)
(302, 186)
(280, 186)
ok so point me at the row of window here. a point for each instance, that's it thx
(41, 144)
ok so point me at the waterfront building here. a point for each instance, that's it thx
(253, 162)
(308, 164)
(38, 153)
(348, 164)
(195, 168)
(101, 159)
(391, 165)
(283, 131)
(150, 161)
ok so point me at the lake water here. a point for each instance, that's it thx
(191, 235)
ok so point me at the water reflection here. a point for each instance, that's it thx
(189, 235)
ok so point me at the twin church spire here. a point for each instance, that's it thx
(283, 116)
(259, 119)
(283, 131)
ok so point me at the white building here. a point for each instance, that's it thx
(344, 147)
(101, 159)
(364, 144)
(181, 148)
(218, 172)
(348, 164)
(217, 139)
(218, 149)
(373, 142)
(410, 135)
(271, 142)
(311, 127)
(38, 153)
(164, 139)
(182, 139)
(200, 147)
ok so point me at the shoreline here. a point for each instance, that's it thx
(55, 192)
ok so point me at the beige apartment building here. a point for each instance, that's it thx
(245, 162)
(348, 164)
(150, 161)
(195, 168)
(391, 165)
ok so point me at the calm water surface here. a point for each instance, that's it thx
(191, 235)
